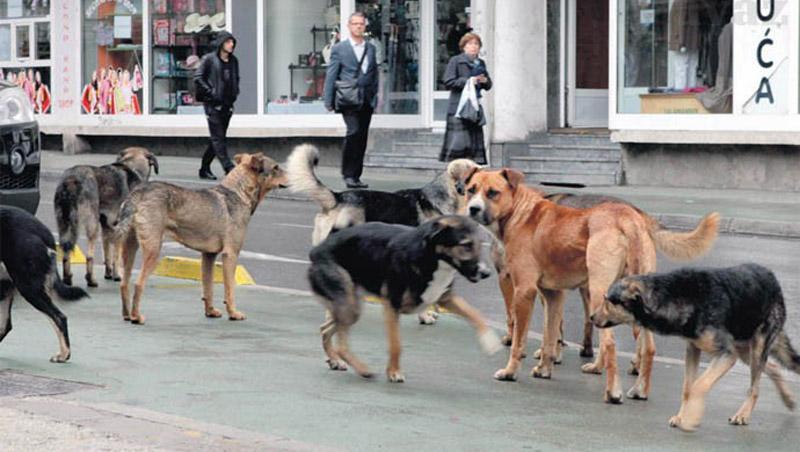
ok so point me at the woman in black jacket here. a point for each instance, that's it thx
(464, 139)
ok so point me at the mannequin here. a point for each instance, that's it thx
(684, 43)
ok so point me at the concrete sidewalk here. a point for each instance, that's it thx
(185, 382)
(750, 212)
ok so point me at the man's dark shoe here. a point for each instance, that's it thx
(206, 174)
(352, 182)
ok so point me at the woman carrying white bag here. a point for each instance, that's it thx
(465, 77)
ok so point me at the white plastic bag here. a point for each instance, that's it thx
(469, 109)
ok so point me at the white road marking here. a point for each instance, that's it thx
(295, 225)
(247, 255)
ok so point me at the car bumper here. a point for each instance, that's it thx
(20, 190)
(24, 199)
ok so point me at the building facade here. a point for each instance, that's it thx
(683, 89)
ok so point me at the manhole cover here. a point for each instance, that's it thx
(19, 384)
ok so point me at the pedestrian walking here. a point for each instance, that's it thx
(351, 88)
(216, 83)
(463, 137)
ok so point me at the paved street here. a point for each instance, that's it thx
(220, 385)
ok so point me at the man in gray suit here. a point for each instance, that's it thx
(344, 65)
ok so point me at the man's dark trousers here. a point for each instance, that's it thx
(355, 142)
(218, 121)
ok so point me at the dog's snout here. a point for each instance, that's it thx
(474, 210)
(483, 271)
(591, 318)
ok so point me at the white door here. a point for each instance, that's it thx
(587, 63)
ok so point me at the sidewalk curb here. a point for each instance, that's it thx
(741, 226)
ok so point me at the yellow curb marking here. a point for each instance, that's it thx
(188, 268)
(76, 257)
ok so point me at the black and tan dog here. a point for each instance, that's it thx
(409, 207)
(28, 267)
(410, 268)
(727, 312)
(90, 197)
(213, 221)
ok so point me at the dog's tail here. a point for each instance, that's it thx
(302, 179)
(122, 227)
(684, 246)
(66, 207)
(784, 353)
(63, 291)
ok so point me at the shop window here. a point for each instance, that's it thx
(675, 56)
(43, 41)
(23, 42)
(393, 26)
(298, 37)
(12, 9)
(35, 81)
(112, 57)
(182, 32)
(5, 42)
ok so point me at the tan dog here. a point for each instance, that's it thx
(212, 221)
(90, 197)
(551, 248)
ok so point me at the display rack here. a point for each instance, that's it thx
(315, 69)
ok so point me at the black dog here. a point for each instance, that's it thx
(729, 312)
(410, 268)
(28, 266)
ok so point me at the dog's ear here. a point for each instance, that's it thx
(153, 161)
(238, 158)
(514, 177)
(257, 162)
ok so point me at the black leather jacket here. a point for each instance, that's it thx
(208, 82)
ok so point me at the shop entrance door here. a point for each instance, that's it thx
(587, 63)
(452, 21)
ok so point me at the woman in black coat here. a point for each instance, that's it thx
(464, 139)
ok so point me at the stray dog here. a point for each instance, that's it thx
(28, 266)
(551, 248)
(410, 207)
(410, 268)
(90, 197)
(211, 221)
(727, 312)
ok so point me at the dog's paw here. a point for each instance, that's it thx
(236, 315)
(506, 340)
(67, 280)
(395, 376)
(636, 393)
(613, 397)
(137, 320)
(490, 343)
(505, 375)
(634, 369)
(59, 358)
(675, 421)
(126, 317)
(592, 368)
(739, 419)
(213, 313)
(91, 283)
(541, 372)
(366, 374)
(428, 317)
(587, 352)
(108, 277)
(335, 364)
(117, 278)
(537, 354)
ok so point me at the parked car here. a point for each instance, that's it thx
(20, 154)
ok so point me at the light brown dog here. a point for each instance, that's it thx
(212, 221)
(551, 248)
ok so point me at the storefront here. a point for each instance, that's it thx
(124, 67)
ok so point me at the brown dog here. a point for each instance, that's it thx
(552, 248)
(212, 221)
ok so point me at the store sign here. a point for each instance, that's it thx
(64, 38)
(761, 76)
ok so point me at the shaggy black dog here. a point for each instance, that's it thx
(728, 313)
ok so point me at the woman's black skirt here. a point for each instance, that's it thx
(462, 141)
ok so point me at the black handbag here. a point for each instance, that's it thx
(348, 94)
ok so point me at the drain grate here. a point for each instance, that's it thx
(22, 385)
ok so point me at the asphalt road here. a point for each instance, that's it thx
(279, 238)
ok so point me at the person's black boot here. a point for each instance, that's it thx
(206, 174)
(352, 182)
